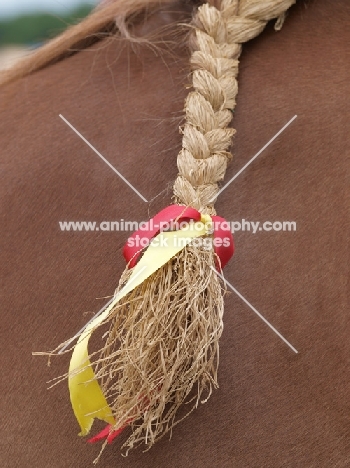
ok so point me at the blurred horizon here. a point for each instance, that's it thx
(32, 27)
(27, 24)
(14, 8)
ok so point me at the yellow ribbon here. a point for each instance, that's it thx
(86, 395)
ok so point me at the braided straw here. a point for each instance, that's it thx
(215, 44)
(162, 348)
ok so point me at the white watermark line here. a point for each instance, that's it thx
(96, 315)
(104, 159)
(256, 311)
(253, 158)
(243, 225)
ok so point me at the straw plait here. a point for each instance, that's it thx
(219, 29)
(161, 351)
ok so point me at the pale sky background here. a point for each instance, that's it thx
(10, 8)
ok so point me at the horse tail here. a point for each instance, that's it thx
(220, 27)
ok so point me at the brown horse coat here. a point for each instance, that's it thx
(274, 408)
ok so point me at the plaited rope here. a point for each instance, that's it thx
(219, 30)
(162, 348)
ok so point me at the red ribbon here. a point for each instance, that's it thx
(171, 215)
(176, 215)
(107, 433)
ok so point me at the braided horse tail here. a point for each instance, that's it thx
(162, 347)
(220, 27)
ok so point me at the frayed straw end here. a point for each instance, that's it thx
(162, 347)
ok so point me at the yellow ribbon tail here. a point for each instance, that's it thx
(87, 398)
